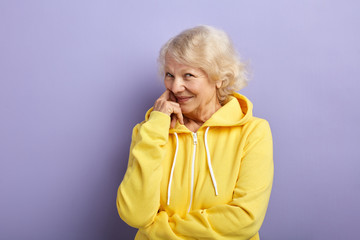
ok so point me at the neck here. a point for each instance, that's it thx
(193, 121)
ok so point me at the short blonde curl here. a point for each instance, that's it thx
(211, 50)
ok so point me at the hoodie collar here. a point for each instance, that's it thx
(236, 112)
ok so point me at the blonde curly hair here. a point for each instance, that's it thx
(211, 50)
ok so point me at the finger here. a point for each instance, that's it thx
(178, 113)
(164, 106)
(171, 107)
(173, 121)
(180, 117)
(160, 105)
(165, 95)
(170, 110)
(172, 96)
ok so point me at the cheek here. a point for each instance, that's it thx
(203, 90)
(166, 84)
(195, 87)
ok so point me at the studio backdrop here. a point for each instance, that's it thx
(76, 76)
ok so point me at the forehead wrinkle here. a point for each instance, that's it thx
(180, 67)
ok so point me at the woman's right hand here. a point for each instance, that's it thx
(167, 104)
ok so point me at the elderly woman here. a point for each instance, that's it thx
(200, 164)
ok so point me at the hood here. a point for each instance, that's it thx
(237, 111)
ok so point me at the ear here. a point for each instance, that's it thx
(218, 83)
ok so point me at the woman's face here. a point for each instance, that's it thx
(191, 87)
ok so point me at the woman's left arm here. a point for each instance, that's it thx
(242, 217)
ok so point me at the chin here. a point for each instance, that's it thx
(185, 110)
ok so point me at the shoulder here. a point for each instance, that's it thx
(257, 128)
(256, 121)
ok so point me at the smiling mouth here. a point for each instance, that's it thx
(182, 99)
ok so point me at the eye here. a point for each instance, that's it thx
(168, 75)
(189, 75)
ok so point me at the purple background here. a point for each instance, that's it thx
(76, 76)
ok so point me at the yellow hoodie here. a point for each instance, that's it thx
(212, 184)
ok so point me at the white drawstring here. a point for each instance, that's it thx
(172, 169)
(209, 161)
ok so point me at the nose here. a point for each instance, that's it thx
(177, 85)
